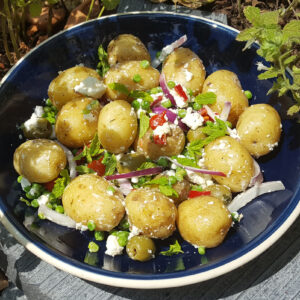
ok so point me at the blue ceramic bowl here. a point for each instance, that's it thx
(265, 219)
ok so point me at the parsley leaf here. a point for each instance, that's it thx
(206, 98)
(93, 105)
(147, 165)
(83, 169)
(50, 112)
(168, 191)
(174, 249)
(144, 124)
(60, 184)
(103, 65)
(186, 161)
(164, 186)
(119, 87)
(110, 163)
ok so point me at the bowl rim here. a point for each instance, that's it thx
(146, 283)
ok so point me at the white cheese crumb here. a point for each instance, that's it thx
(81, 227)
(112, 246)
(43, 199)
(133, 232)
(188, 75)
(161, 130)
(32, 122)
(134, 179)
(91, 87)
(192, 119)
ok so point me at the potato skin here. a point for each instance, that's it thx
(151, 212)
(39, 160)
(86, 198)
(126, 47)
(117, 126)
(73, 128)
(227, 155)
(226, 85)
(259, 128)
(124, 72)
(185, 67)
(174, 146)
(203, 221)
(61, 88)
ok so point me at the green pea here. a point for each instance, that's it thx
(124, 224)
(59, 209)
(93, 247)
(137, 78)
(122, 237)
(181, 113)
(145, 104)
(171, 84)
(167, 104)
(34, 203)
(144, 64)
(19, 179)
(47, 109)
(248, 94)
(48, 102)
(49, 205)
(163, 162)
(155, 90)
(201, 250)
(172, 180)
(41, 216)
(91, 225)
(136, 104)
(158, 53)
(99, 235)
(197, 106)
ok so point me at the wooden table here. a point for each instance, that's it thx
(273, 275)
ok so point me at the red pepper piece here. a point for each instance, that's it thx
(203, 111)
(160, 140)
(49, 185)
(179, 90)
(157, 120)
(193, 194)
(97, 166)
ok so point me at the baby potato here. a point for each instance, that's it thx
(259, 128)
(61, 88)
(227, 87)
(39, 160)
(194, 135)
(151, 212)
(74, 127)
(90, 198)
(126, 47)
(203, 221)
(183, 66)
(174, 146)
(124, 72)
(227, 155)
(117, 126)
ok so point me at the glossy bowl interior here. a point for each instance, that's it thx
(265, 219)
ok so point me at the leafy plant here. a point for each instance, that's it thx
(277, 46)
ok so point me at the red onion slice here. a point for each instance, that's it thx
(165, 89)
(125, 186)
(70, 158)
(257, 177)
(150, 171)
(56, 217)
(225, 112)
(167, 50)
(196, 170)
(171, 116)
(210, 112)
(244, 198)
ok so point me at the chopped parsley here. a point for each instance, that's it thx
(173, 250)
(144, 124)
(110, 163)
(103, 65)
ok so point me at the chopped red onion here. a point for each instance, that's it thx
(70, 158)
(244, 198)
(196, 170)
(165, 89)
(150, 171)
(168, 50)
(225, 112)
(56, 217)
(257, 177)
(171, 116)
(125, 186)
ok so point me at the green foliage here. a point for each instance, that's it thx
(60, 184)
(278, 47)
(164, 184)
(110, 4)
(110, 163)
(206, 98)
(144, 124)
(174, 249)
(102, 66)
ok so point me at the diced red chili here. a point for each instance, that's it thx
(97, 166)
(179, 90)
(157, 120)
(160, 140)
(193, 194)
(203, 111)
(49, 185)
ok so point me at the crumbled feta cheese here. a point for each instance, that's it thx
(170, 173)
(133, 232)
(134, 179)
(233, 133)
(89, 117)
(201, 179)
(112, 246)
(188, 75)
(39, 111)
(192, 119)
(91, 87)
(161, 130)
(32, 122)
(43, 199)
(81, 227)
(272, 146)
(179, 100)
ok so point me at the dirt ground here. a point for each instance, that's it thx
(64, 18)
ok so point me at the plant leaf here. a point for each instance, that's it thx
(253, 15)
(206, 98)
(144, 124)
(291, 31)
(271, 73)
(110, 4)
(35, 8)
(293, 110)
(174, 249)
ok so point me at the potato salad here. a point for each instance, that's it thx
(136, 150)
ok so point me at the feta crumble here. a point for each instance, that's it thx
(113, 247)
(161, 130)
(192, 119)
(91, 87)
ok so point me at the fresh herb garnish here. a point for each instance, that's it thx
(60, 185)
(83, 169)
(147, 165)
(206, 98)
(164, 184)
(186, 161)
(91, 106)
(144, 124)
(103, 65)
(110, 163)
(122, 237)
(174, 249)
(93, 247)
(50, 112)
(119, 87)
(277, 46)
